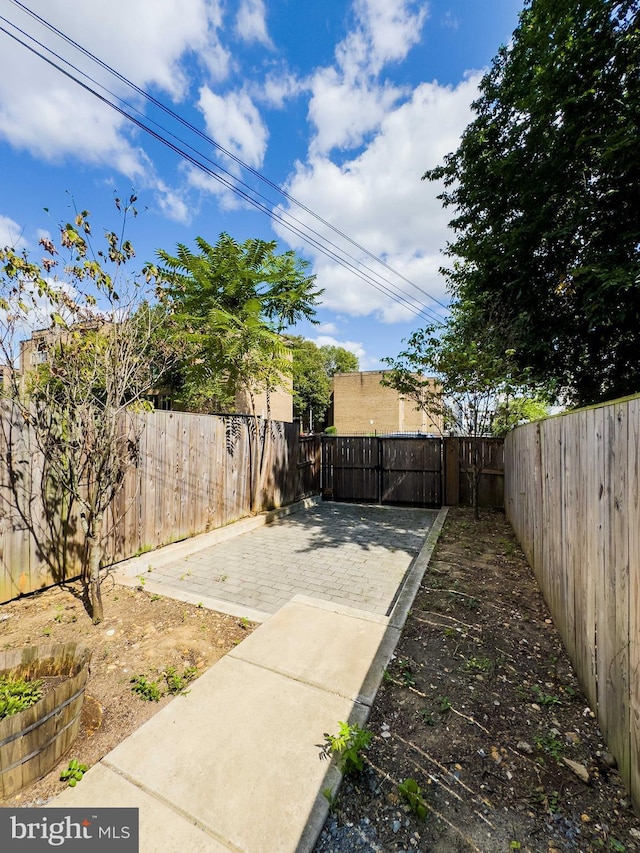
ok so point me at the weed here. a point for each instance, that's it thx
(551, 745)
(177, 683)
(545, 699)
(475, 664)
(546, 801)
(427, 717)
(141, 580)
(243, 622)
(515, 845)
(348, 745)
(406, 673)
(471, 603)
(156, 597)
(330, 797)
(450, 632)
(200, 605)
(16, 694)
(445, 704)
(386, 676)
(616, 845)
(46, 632)
(59, 615)
(147, 690)
(411, 793)
(74, 772)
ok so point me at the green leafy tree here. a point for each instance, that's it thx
(313, 368)
(338, 359)
(514, 411)
(229, 305)
(545, 190)
(474, 381)
(78, 406)
(311, 382)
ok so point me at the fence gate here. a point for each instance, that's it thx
(382, 470)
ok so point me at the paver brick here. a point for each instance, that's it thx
(356, 555)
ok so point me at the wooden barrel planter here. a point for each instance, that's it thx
(33, 741)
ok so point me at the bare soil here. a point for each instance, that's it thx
(481, 708)
(142, 634)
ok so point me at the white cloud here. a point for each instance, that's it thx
(392, 28)
(348, 101)
(327, 329)
(378, 198)
(352, 346)
(345, 111)
(251, 24)
(172, 203)
(11, 234)
(278, 87)
(50, 116)
(234, 121)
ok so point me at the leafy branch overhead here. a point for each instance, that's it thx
(76, 402)
(545, 193)
(229, 305)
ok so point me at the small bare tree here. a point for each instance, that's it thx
(79, 401)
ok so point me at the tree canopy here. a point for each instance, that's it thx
(338, 359)
(545, 189)
(75, 407)
(313, 368)
(472, 379)
(229, 304)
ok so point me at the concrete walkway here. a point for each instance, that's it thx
(235, 764)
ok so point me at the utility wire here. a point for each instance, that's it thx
(231, 184)
(227, 153)
(228, 184)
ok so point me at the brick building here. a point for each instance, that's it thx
(361, 404)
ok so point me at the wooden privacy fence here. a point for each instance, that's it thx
(460, 455)
(572, 493)
(412, 470)
(193, 475)
(382, 469)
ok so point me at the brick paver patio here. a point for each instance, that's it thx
(355, 555)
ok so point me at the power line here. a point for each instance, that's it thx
(225, 151)
(401, 300)
(232, 182)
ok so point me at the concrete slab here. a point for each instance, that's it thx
(162, 828)
(239, 755)
(335, 647)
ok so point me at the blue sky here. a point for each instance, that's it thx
(342, 104)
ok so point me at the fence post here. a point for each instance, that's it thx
(452, 471)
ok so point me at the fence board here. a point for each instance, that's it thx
(574, 504)
(192, 474)
(633, 506)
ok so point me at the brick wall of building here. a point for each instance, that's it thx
(362, 405)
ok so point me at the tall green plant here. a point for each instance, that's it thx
(228, 305)
(544, 195)
(77, 404)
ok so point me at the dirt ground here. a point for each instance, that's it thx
(142, 634)
(481, 709)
